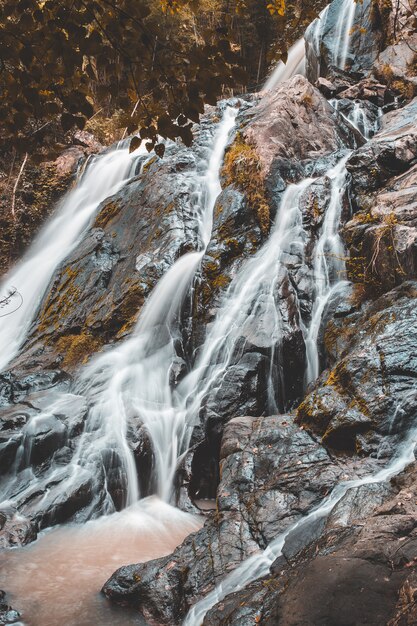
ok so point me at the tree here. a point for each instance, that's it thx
(159, 62)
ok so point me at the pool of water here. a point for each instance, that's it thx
(56, 580)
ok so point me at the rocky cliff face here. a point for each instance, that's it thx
(268, 459)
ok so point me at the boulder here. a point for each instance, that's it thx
(359, 401)
(364, 573)
(382, 236)
(271, 473)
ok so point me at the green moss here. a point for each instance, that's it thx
(242, 168)
(107, 213)
(149, 163)
(76, 349)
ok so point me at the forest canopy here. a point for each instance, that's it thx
(150, 65)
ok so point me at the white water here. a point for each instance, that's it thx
(103, 177)
(130, 384)
(328, 259)
(283, 71)
(358, 117)
(259, 564)
(251, 303)
(342, 36)
(328, 265)
(343, 33)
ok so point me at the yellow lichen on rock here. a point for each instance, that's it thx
(242, 168)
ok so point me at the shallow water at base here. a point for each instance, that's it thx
(56, 581)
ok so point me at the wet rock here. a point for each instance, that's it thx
(392, 151)
(324, 42)
(371, 379)
(17, 384)
(261, 492)
(8, 615)
(12, 420)
(382, 236)
(292, 125)
(16, 530)
(66, 494)
(364, 573)
(43, 436)
(326, 87)
(242, 388)
(235, 236)
(145, 462)
(370, 90)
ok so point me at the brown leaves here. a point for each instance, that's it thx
(63, 60)
(134, 143)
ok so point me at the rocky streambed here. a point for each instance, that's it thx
(261, 445)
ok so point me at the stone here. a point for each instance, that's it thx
(364, 573)
(372, 377)
(260, 493)
(382, 236)
(16, 530)
(326, 87)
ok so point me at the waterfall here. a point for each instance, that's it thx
(359, 117)
(328, 259)
(295, 64)
(30, 278)
(129, 385)
(342, 36)
(328, 265)
(344, 33)
(251, 302)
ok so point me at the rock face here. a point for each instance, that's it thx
(366, 570)
(329, 48)
(370, 391)
(382, 235)
(261, 491)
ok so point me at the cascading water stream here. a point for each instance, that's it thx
(131, 383)
(358, 117)
(328, 265)
(251, 302)
(104, 175)
(295, 64)
(328, 259)
(343, 33)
